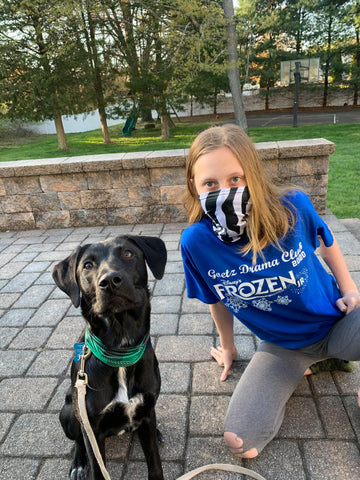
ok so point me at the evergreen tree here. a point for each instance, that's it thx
(329, 30)
(41, 64)
(101, 73)
(196, 43)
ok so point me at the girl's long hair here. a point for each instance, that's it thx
(269, 218)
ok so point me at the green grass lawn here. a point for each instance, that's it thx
(343, 197)
(343, 189)
(91, 143)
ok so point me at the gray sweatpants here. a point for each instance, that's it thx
(257, 406)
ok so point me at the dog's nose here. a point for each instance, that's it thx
(111, 280)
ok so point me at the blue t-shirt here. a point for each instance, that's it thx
(287, 299)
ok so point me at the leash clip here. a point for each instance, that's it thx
(81, 375)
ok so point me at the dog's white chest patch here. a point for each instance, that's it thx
(122, 397)
(122, 393)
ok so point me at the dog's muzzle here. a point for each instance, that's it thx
(114, 293)
(110, 282)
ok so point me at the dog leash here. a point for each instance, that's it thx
(80, 385)
(222, 466)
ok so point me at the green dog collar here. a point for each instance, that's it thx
(123, 357)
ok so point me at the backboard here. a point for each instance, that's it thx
(309, 70)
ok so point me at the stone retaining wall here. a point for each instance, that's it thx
(142, 187)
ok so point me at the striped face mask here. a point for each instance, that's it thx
(229, 210)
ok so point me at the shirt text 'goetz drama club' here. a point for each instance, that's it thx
(287, 297)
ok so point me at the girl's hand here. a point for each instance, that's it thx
(224, 358)
(349, 301)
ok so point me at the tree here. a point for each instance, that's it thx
(352, 46)
(209, 84)
(41, 74)
(296, 22)
(89, 19)
(245, 28)
(233, 68)
(266, 54)
(133, 28)
(163, 48)
(196, 45)
(329, 29)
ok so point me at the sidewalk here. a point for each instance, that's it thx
(320, 436)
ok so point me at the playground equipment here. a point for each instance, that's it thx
(128, 127)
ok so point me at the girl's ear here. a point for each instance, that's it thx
(192, 184)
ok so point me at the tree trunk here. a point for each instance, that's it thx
(104, 126)
(326, 85)
(327, 63)
(146, 114)
(60, 132)
(101, 106)
(215, 102)
(357, 63)
(233, 69)
(165, 127)
(98, 84)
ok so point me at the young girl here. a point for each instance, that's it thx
(250, 253)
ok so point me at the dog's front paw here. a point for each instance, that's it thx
(159, 437)
(78, 472)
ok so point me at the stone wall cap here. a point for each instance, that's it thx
(134, 160)
(267, 150)
(92, 163)
(95, 158)
(6, 169)
(42, 166)
(97, 163)
(176, 152)
(136, 155)
(164, 158)
(305, 147)
(72, 165)
(154, 159)
(32, 162)
(26, 168)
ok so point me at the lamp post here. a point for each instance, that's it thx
(297, 77)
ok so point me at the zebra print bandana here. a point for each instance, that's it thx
(228, 209)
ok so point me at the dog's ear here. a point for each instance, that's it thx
(155, 253)
(64, 275)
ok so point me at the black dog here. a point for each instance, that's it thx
(109, 280)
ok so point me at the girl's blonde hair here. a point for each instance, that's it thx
(269, 218)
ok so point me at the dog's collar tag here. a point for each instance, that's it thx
(79, 349)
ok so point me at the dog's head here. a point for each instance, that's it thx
(111, 275)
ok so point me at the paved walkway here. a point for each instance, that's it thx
(316, 117)
(320, 437)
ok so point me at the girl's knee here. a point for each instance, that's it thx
(236, 446)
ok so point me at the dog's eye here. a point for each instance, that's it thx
(127, 253)
(88, 265)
